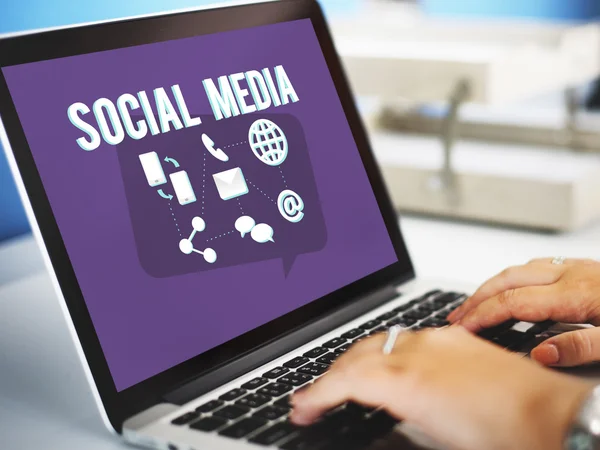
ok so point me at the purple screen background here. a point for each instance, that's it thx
(145, 324)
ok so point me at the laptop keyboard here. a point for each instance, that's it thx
(258, 410)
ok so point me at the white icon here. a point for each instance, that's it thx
(216, 152)
(231, 183)
(153, 169)
(261, 233)
(183, 188)
(187, 247)
(268, 142)
(244, 225)
(290, 206)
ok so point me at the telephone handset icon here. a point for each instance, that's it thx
(216, 152)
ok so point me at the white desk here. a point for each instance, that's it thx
(44, 398)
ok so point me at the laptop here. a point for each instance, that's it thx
(213, 219)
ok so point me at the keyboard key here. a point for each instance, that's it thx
(341, 418)
(296, 379)
(437, 304)
(315, 352)
(210, 406)
(435, 322)
(380, 422)
(403, 308)
(329, 358)
(275, 389)
(334, 343)
(359, 408)
(387, 316)
(378, 330)
(315, 369)
(364, 432)
(539, 328)
(243, 427)
(272, 412)
(342, 349)
(185, 419)
(318, 436)
(276, 372)
(253, 400)
(427, 307)
(304, 442)
(443, 314)
(209, 424)
(352, 333)
(255, 384)
(430, 294)
(296, 362)
(275, 434)
(417, 314)
(232, 412)
(490, 333)
(512, 339)
(284, 401)
(402, 321)
(450, 297)
(232, 395)
(370, 325)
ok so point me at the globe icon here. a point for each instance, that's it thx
(268, 142)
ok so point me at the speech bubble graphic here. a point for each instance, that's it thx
(244, 225)
(262, 233)
(160, 224)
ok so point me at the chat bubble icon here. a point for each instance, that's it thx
(262, 233)
(245, 224)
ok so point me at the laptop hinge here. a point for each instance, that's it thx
(296, 338)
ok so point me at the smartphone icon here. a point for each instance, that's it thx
(153, 169)
(183, 188)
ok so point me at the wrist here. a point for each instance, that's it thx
(554, 409)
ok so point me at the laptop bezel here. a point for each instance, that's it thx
(139, 31)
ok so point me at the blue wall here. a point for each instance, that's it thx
(575, 10)
(18, 15)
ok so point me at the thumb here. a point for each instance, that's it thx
(569, 349)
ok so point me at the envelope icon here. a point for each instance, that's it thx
(231, 183)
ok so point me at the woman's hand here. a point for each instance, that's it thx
(459, 389)
(541, 291)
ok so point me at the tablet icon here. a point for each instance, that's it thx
(216, 152)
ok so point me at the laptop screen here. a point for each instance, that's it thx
(203, 187)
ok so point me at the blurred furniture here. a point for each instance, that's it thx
(405, 59)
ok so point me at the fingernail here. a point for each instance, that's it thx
(546, 354)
